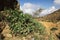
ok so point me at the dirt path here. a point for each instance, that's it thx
(48, 26)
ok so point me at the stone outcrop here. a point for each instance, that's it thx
(9, 4)
(6, 4)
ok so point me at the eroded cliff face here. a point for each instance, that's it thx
(9, 4)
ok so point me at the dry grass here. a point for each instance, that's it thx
(54, 26)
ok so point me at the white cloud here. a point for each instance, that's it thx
(29, 8)
(48, 11)
(57, 2)
(20, 8)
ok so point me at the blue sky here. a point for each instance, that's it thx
(42, 3)
(29, 6)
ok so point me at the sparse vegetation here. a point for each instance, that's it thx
(51, 37)
(22, 24)
(15, 25)
(53, 17)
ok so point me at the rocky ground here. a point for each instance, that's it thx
(51, 27)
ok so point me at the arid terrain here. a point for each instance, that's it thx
(52, 23)
(15, 25)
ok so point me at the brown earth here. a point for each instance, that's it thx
(53, 17)
(52, 28)
(49, 29)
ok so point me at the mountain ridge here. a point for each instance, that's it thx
(53, 17)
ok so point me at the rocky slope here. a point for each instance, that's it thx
(53, 17)
(5, 30)
(6, 4)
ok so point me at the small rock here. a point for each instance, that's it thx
(8, 35)
(32, 39)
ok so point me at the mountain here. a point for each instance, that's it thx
(54, 17)
(37, 12)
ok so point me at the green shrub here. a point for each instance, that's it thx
(23, 24)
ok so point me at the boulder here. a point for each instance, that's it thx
(9, 4)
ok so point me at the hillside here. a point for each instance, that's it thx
(53, 17)
(52, 23)
(15, 25)
(53, 28)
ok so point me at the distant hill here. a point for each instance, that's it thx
(54, 17)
